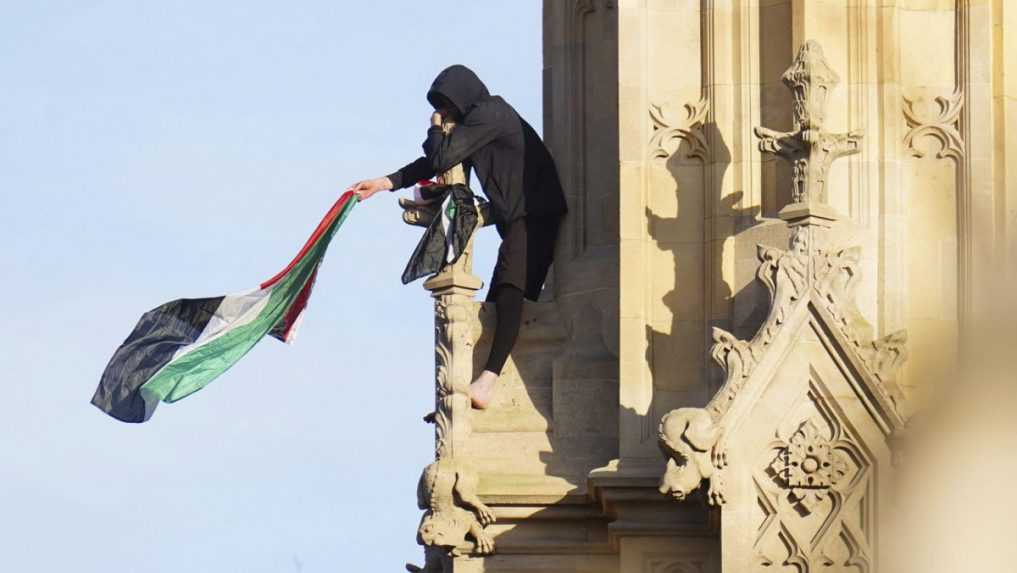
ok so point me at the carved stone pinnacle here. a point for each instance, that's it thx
(809, 147)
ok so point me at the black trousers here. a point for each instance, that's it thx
(525, 255)
(524, 258)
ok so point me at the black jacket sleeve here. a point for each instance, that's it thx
(418, 170)
(441, 152)
(444, 151)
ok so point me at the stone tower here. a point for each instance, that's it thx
(784, 216)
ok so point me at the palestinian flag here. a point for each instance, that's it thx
(178, 348)
(449, 232)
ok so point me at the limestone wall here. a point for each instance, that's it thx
(927, 199)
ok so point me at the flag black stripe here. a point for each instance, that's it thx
(158, 335)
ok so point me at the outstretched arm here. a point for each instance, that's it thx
(417, 170)
(441, 152)
(408, 175)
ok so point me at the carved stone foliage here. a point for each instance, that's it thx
(691, 442)
(672, 127)
(939, 120)
(453, 363)
(814, 494)
(829, 279)
(809, 147)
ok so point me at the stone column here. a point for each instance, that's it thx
(447, 490)
(453, 289)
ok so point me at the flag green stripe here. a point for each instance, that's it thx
(196, 369)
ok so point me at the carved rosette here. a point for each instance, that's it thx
(809, 466)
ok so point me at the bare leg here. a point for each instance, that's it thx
(509, 303)
(482, 389)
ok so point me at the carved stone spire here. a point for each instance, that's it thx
(809, 148)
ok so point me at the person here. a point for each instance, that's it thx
(519, 177)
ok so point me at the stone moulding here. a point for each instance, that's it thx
(940, 124)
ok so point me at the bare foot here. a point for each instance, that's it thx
(482, 389)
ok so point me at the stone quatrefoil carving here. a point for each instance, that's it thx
(815, 497)
(808, 465)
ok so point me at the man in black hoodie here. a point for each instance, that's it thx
(518, 176)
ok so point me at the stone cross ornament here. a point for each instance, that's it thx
(809, 147)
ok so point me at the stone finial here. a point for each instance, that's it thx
(809, 148)
(810, 79)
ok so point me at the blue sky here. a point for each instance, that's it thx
(157, 150)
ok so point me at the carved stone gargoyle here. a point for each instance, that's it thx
(691, 442)
(447, 491)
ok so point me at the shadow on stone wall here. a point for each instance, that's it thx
(738, 303)
(556, 411)
(701, 297)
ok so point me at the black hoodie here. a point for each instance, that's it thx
(514, 167)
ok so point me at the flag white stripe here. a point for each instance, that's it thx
(234, 311)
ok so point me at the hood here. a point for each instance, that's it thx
(460, 86)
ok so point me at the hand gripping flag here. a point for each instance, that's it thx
(178, 348)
